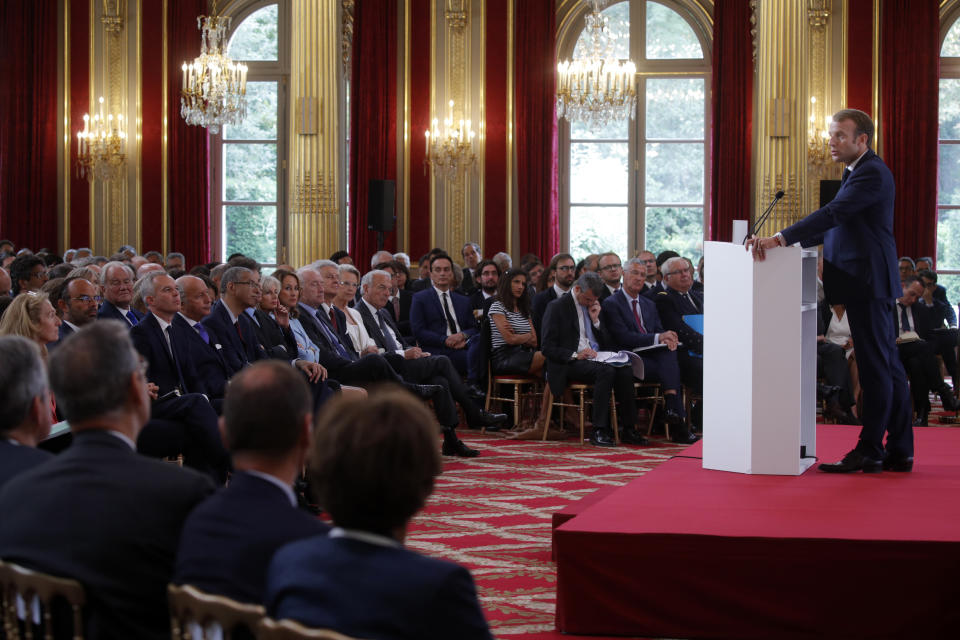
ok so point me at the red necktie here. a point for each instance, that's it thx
(636, 315)
(333, 319)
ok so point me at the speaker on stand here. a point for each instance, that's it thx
(380, 214)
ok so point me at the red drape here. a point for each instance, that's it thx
(188, 151)
(859, 41)
(732, 117)
(495, 110)
(536, 128)
(373, 122)
(909, 71)
(28, 123)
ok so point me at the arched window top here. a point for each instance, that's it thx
(257, 37)
(669, 36)
(951, 44)
(617, 34)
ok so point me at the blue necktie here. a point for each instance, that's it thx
(387, 338)
(203, 332)
(588, 328)
(331, 338)
(132, 318)
(904, 319)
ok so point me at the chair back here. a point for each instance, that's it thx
(271, 629)
(27, 602)
(197, 615)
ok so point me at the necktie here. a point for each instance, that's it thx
(636, 314)
(904, 319)
(236, 325)
(333, 340)
(451, 323)
(173, 358)
(588, 328)
(203, 332)
(690, 300)
(846, 174)
(132, 318)
(387, 338)
(333, 319)
(396, 308)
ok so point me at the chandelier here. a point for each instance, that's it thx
(214, 89)
(598, 89)
(818, 151)
(100, 146)
(449, 150)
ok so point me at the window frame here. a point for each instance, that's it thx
(949, 69)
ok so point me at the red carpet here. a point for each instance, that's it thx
(684, 552)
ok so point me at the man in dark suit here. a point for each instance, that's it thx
(99, 512)
(564, 266)
(860, 271)
(117, 281)
(488, 277)
(678, 299)
(935, 297)
(25, 418)
(572, 336)
(400, 299)
(650, 282)
(229, 540)
(472, 256)
(77, 304)
(196, 301)
(632, 321)
(611, 270)
(442, 321)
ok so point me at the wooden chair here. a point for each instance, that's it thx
(37, 593)
(193, 612)
(651, 392)
(517, 382)
(270, 629)
(579, 389)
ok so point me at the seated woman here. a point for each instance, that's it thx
(372, 466)
(31, 316)
(513, 340)
(349, 283)
(272, 321)
(838, 332)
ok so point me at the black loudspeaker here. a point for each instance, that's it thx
(380, 214)
(828, 191)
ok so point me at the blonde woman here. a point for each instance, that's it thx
(32, 316)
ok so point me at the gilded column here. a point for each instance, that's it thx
(820, 166)
(313, 174)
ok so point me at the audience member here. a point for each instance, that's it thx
(24, 407)
(341, 257)
(154, 257)
(611, 271)
(33, 317)
(650, 281)
(836, 363)
(534, 270)
(27, 273)
(404, 258)
(907, 267)
(935, 298)
(78, 304)
(358, 579)
(271, 321)
(175, 260)
(471, 254)
(99, 512)
(673, 303)
(357, 337)
(564, 266)
(487, 281)
(116, 280)
(513, 339)
(5, 282)
(504, 261)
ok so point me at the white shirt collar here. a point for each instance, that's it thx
(372, 308)
(487, 295)
(312, 310)
(233, 318)
(853, 164)
(122, 436)
(277, 482)
(558, 290)
(440, 293)
(363, 536)
(71, 325)
(612, 289)
(189, 321)
(163, 323)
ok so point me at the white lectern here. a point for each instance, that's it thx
(759, 360)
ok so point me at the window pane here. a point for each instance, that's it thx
(951, 44)
(261, 120)
(669, 36)
(250, 172)
(616, 130)
(949, 109)
(675, 108)
(949, 169)
(598, 172)
(674, 172)
(615, 41)
(252, 231)
(256, 37)
(676, 229)
(598, 229)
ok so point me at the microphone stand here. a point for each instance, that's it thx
(763, 216)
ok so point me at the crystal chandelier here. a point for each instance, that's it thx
(100, 146)
(599, 89)
(450, 149)
(214, 89)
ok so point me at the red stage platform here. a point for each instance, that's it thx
(684, 552)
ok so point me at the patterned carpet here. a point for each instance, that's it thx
(493, 514)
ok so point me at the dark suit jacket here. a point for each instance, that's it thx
(925, 319)
(469, 283)
(650, 292)
(429, 322)
(856, 230)
(237, 352)
(371, 591)
(64, 331)
(328, 356)
(104, 515)
(372, 325)
(539, 307)
(561, 337)
(279, 342)
(208, 359)
(107, 310)
(15, 459)
(672, 307)
(229, 540)
(617, 316)
(164, 372)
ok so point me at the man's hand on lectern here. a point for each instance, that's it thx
(758, 246)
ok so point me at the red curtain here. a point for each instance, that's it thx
(732, 117)
(373, 122)
(909, 91)
(28, 124)
(536, 129)
(188, 150)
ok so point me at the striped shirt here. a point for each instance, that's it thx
(519, 323)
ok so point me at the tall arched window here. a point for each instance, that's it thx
(643, 183)
(948, 165)
(249, 158)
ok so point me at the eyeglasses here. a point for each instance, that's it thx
(348, 284)
(86, 299)
(42, 275)
(673, 273)
(611, 267)
(568, 267)
(253, 285)
(650, 261)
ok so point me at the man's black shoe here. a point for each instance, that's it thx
(602, 438)
(423, 391)
(853, 461)
(684, 437)
(946, 397)
(490, 421)
(475, 392)
(920, 420)
(671, 417)
(454, 447)
(632, 436)
(903, 464)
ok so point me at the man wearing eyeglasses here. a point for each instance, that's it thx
(78, 304)
(565, 267)
(650, 283)
(117, 281)
(611, 270)
(27, 273)
(679, 299)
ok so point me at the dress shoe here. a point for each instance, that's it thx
(671, 417)
(602, 438)
(632, 436)
(453, 446)
(853, 461)
(684, 437)
(475, 392)
(423, 391)
(489, 421)
(946, 397)
(920, 420)
(902, 464)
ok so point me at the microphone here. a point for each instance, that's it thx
(763, 217)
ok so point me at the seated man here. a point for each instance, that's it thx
(488, 277)
(563, 266)
(77, 303)
(935, 296)
(116, 280)
(919, 356)
(675, 301)
(572, 335)
(632, 321)
(99, 512)
(228, 540)
(196, 300)
(25, 417)
(359, 580)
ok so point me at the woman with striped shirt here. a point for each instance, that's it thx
(513, 340)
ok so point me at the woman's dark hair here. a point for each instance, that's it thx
(505, 292)
(281, 274)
